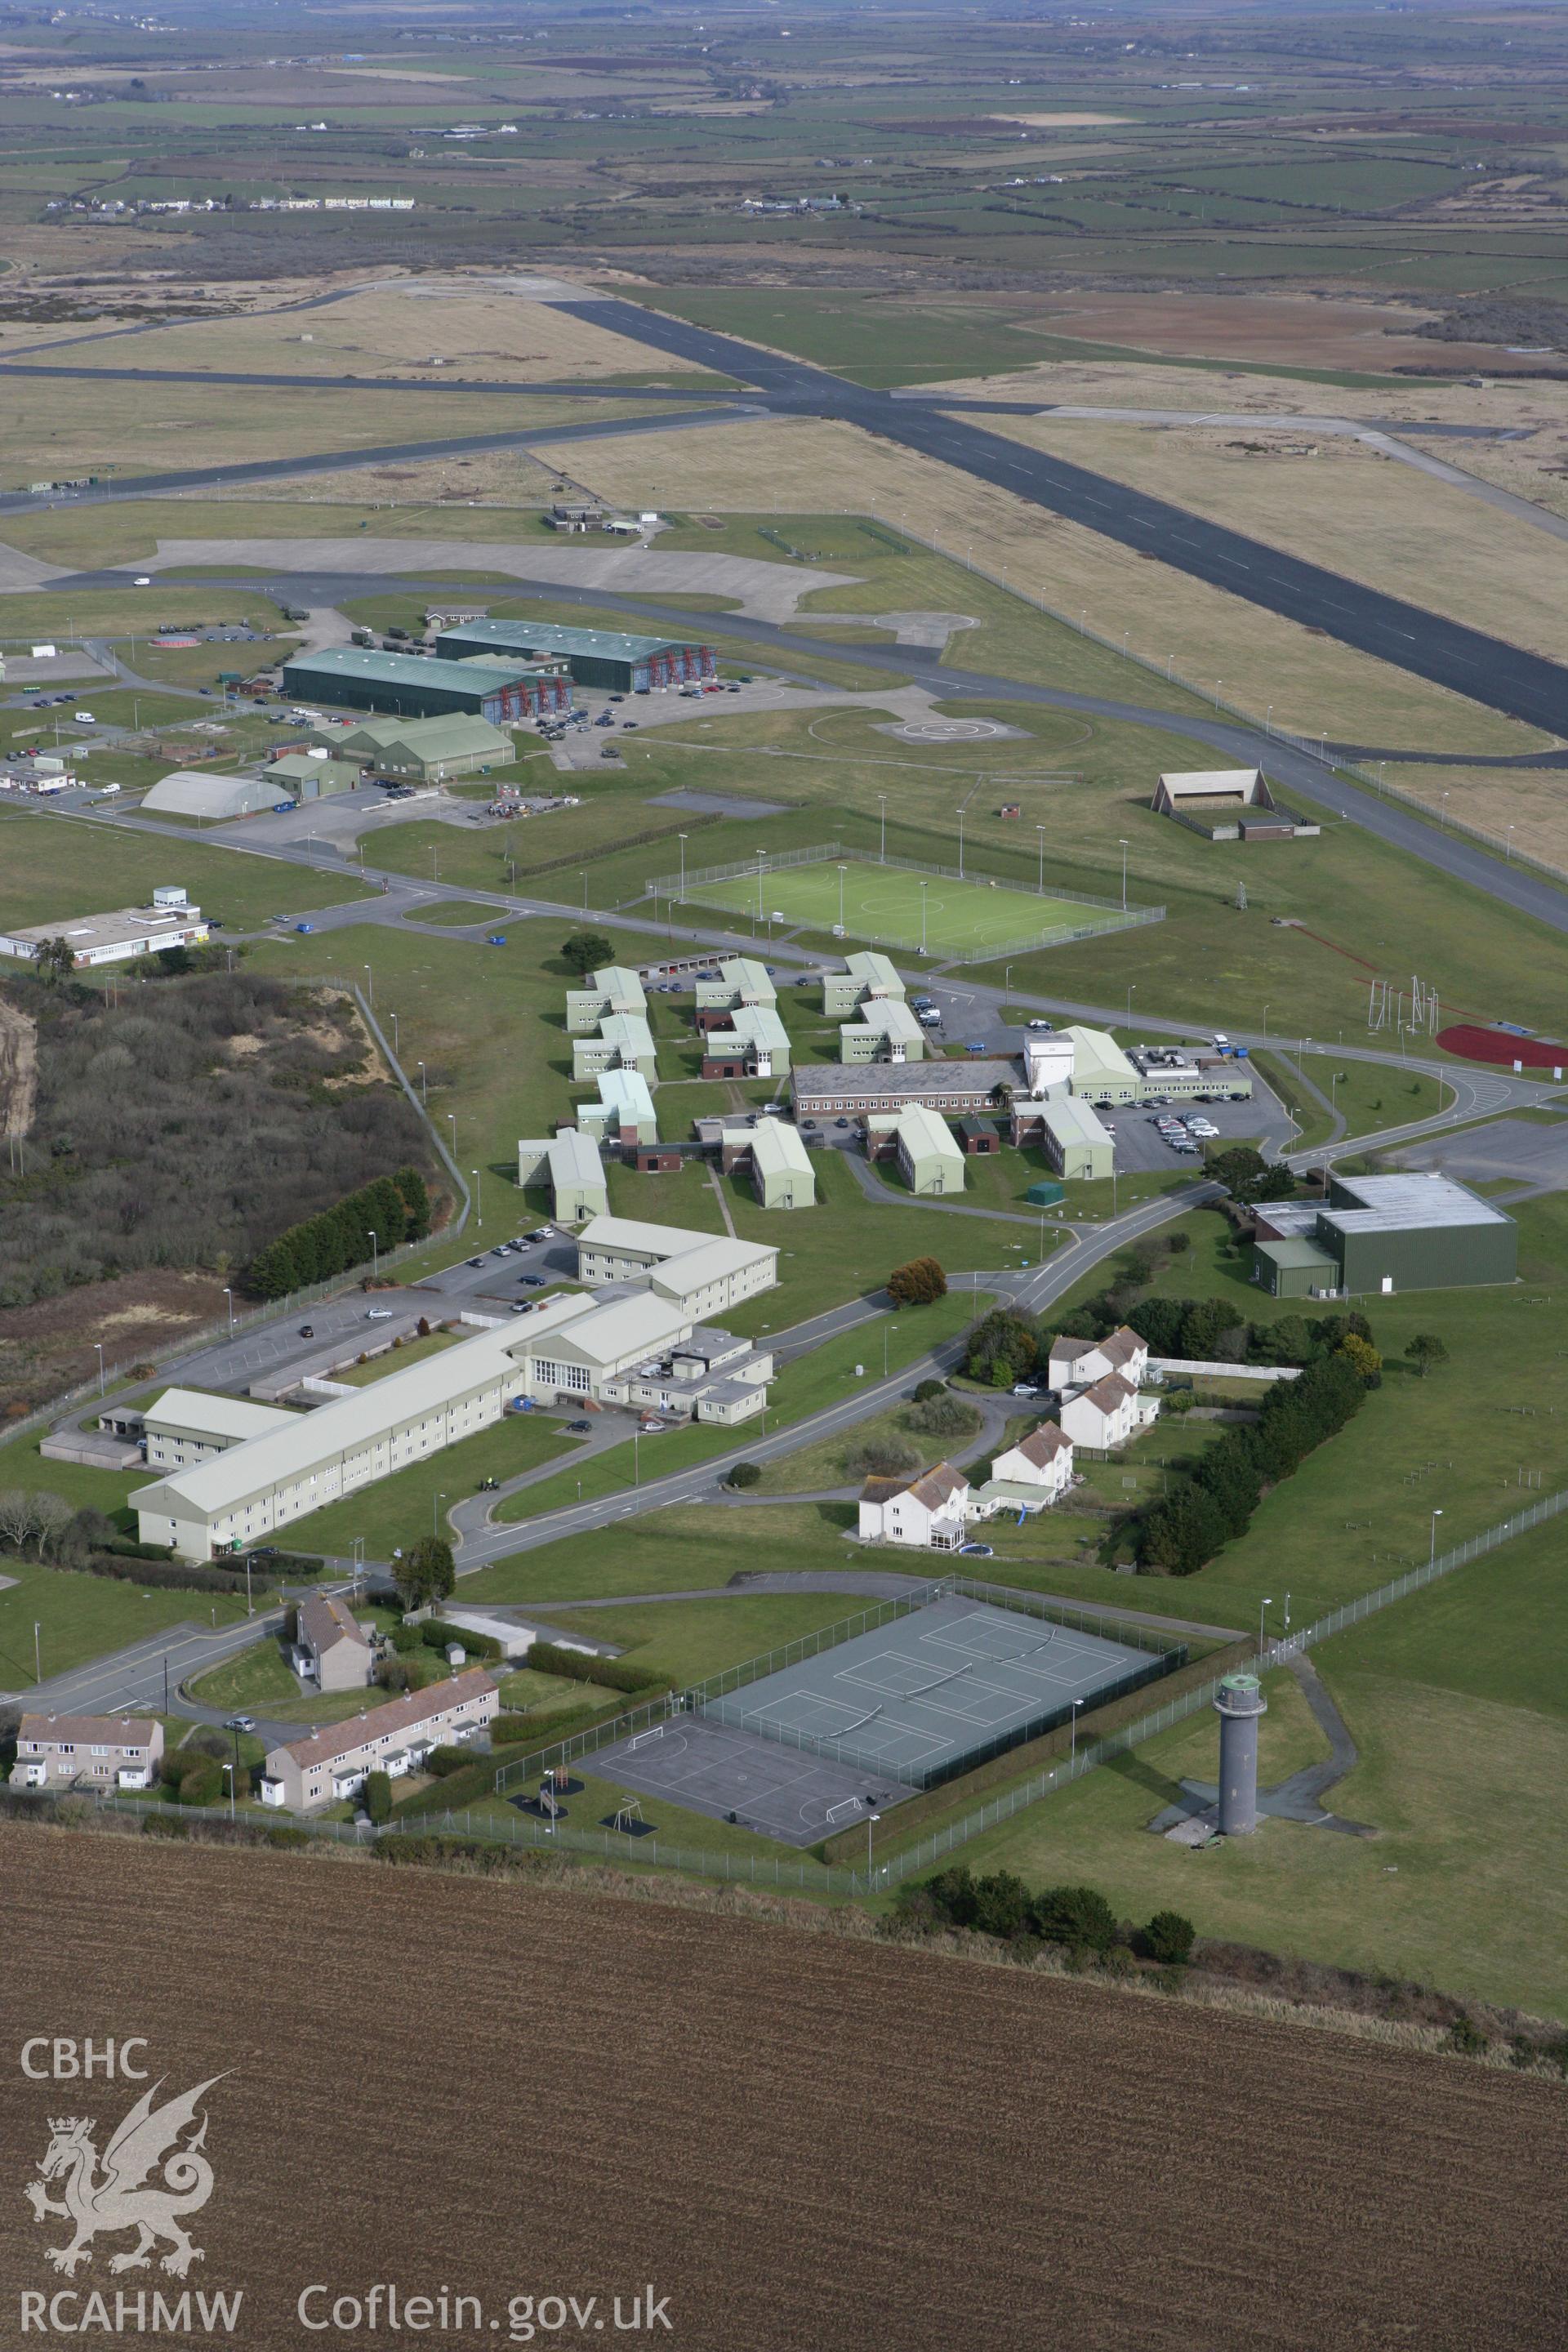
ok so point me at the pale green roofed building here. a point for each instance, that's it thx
(1101, 1072)
(865, 975)
(755, 1037)
(883, 1030)
(1074, 1141)
(624, 1110)
(782, 1174)
(614, 990)
(430, 750)
(742, 981)
(624, 1042)
(312, 780)
(928, 1155)
(570, 1164)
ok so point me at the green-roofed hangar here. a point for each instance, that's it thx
(608, 658)
(411, 686)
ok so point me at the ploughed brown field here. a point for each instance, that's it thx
(806, 2144)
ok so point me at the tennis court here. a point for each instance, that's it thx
(783, 1792)
(899, 908)
(926, 1695)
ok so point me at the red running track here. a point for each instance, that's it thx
(1476, 1045)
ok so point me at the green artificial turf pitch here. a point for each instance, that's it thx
(882, 903)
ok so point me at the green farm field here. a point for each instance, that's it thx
(893, 908)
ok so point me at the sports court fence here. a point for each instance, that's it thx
(1109, 914)
(698, 1695)
(675, 885)
(808, 1877)
(1168, 1652)
(799, 1874)
(1094, 1753)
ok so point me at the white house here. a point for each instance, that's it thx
(1042, 1462)
(1078, 1363)
(1108, 1414)
(930, 1512)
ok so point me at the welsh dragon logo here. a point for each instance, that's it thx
(151, 2181)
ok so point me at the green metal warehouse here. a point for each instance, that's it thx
(410, 686)
(600, 657)
(1377, 1234)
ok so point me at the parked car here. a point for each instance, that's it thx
(977, 1551)
(1040, 1024)
(496, 940)
(1024, 1388)
(307, 1330)
(476, 1260)
(841, 1122)
(808, 1123)
(541, 1234)
(305, 929)
(579, 1428)
(610, 751)
(378, 1315)
(974, 1046)
(534, 1281)
(240, 1723)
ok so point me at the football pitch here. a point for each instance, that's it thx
(930, 913)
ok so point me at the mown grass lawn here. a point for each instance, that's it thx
(414, 1502)
(80, 1616)
(53, 867)
(1453, 1698)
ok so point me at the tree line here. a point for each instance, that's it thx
(393, 1209)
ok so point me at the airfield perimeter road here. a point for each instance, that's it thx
(1512, 885)
(1503, 677)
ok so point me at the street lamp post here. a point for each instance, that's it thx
(374, 1252)
(1266, 1602)
(479, 1202)
(1041, 831)
(396, 1049)
(99, 1345)
(424, 1090)
(882, 806)
(924, 888)
(1131, 992)
(229, 1296)
(1124, 878)
(842, 871)
(1432, 1553)
(435, 1503)
(960, 845)
(681, 837)
(870, 1819)
(1072, 1756)
(370, 987)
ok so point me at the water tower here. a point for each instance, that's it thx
(1239, 1704)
